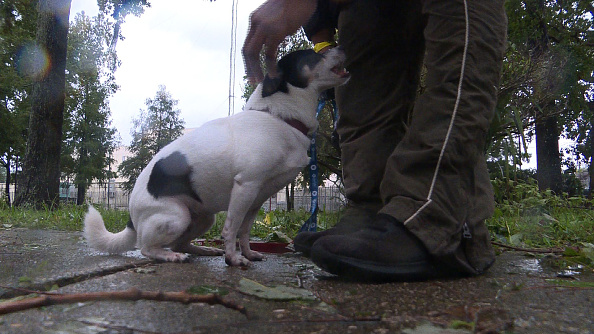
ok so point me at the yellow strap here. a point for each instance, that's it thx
(319, 46)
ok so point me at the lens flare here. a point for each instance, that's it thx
(33, 61)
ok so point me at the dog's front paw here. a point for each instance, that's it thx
(236, 260)
(253, 255)
(177, 257)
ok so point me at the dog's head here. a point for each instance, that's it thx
(306, 68)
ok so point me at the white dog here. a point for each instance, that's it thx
(231, 164)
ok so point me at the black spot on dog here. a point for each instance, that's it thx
(291, 70)
(171, 176)
(130, 225)
(273, 85)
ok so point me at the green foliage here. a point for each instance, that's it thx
(89, 83)
(156, 127)
(461, 324)
(546, 73)
(120, 9)
(297, 41)
(65, 218)
(18, 20)
(275, 224)
(525, 216)
(88, 138)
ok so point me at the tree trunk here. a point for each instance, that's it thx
(8, 179)
(290, 195)
(548, 159)
(590, 173)
(40, 179)
(590, 140)
(81, 193)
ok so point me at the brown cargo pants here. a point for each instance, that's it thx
(419, 158)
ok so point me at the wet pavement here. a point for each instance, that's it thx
(284, 293)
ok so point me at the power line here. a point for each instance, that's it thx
(232, 57)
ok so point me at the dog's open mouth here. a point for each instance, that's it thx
(340, 70)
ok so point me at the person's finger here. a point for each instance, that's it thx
(251, 52)
(270, 54)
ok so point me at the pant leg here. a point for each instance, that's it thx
(383, 41)
(436, 180)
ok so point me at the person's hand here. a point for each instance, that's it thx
(269, 25)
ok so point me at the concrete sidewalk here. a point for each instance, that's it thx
(284, 293)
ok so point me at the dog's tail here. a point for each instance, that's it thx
(102, 240)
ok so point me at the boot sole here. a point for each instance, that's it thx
(361, 270)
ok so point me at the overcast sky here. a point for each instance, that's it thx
(184, 45)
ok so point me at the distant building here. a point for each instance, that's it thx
(120, 154)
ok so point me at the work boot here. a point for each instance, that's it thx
(353, 219)
(383, 251)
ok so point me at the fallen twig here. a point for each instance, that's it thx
(131, 294)
(530, 250)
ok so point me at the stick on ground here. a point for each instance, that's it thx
(131, 294)
(530, 250)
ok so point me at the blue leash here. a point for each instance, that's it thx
(311, 224)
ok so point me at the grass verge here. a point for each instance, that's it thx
(67, 217)
(523, 217)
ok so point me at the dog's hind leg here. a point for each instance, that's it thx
(162, 230)
(200, 224)
(244, 237)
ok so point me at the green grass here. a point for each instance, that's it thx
(524, 217)
(543, 227)
(66, 218)
(268, 226)
(70, 217)
(527, 217)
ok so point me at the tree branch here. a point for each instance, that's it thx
(331, 168)
(131, 294)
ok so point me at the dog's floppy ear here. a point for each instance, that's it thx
(273, 85)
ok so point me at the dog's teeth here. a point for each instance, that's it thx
(340, 71)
